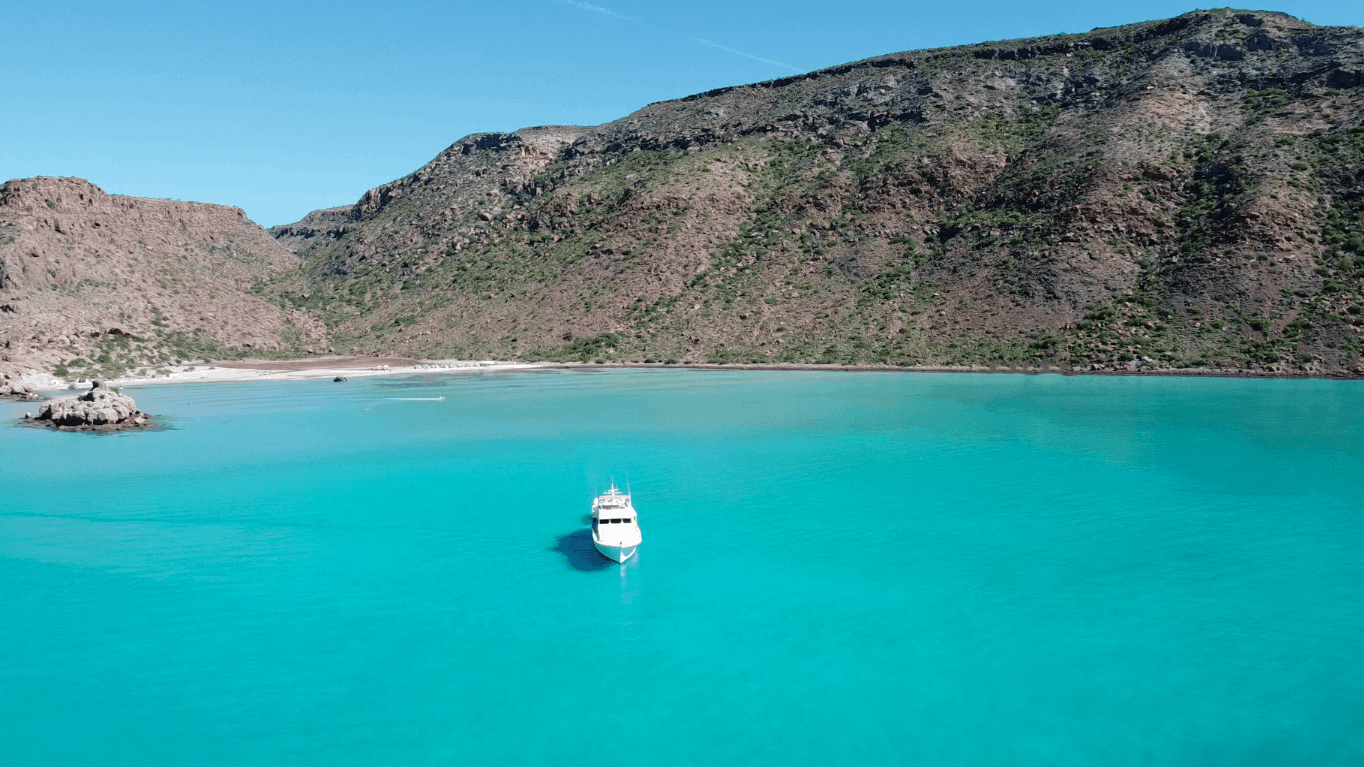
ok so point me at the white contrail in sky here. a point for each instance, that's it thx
(608, 12)
(738, 52)
(596, 9)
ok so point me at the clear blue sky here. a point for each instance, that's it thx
(284, 107)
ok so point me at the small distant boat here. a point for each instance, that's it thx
(615, 526)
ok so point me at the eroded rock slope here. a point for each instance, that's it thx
(97, 283)
(1165, 194)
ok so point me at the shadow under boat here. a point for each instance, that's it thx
(581, 554)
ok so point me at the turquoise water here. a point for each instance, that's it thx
(837, 569)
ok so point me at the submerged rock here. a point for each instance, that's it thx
(100, 409)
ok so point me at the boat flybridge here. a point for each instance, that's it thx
(615, 528)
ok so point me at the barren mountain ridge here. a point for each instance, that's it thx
(102, 284)
(1166, 194)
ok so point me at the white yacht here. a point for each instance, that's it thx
(615, 529)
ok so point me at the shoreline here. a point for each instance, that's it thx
(281, 370)
(346, 367)
(996, 369)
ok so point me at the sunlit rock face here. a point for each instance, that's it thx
(100, 409)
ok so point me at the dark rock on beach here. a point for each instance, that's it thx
(100, 409)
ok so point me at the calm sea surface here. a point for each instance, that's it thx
(837, 569)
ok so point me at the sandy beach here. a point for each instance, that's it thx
(286, 370)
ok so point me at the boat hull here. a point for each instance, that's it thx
(616, 553)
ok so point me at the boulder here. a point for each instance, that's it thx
(339, 379)
(12, 388)
(100, 409)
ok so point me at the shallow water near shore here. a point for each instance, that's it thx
(869, 568)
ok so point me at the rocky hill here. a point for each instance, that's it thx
(95, 284)
(1170, 194)
(1165, 194)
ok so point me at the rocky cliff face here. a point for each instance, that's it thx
(99, 283)
(1165, 194)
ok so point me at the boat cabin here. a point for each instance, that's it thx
(612, 508)
(622, 518)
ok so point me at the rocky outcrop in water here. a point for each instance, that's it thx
(12, 388)
(100, 409)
